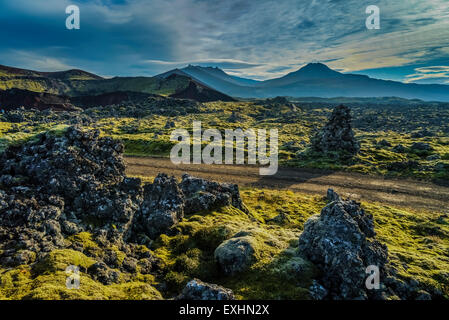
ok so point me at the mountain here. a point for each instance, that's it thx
(14, 98)
(312, 80)
(199, 92)
(73, 74)
(76, 83)
(317, 80)
(214, 78)
(66, 89)
(310, 71)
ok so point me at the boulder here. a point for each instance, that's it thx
(341, 243)
(101, 272)
(199, 290)
(399, 149)
(384, 143)
(236, 254)
(421, 146)
(203, 195)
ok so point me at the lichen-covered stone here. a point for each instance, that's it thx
(341, 242)
(199, 290)
(236, 254)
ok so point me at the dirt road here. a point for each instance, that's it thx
(404, 193)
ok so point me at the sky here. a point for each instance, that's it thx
(258, 39)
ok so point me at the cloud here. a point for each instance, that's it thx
(260, 39)
(33, 61)
(436, 74)
(221, 63)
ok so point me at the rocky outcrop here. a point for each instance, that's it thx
(61, 184)
(341, 242)
(203, 195)
(337, 134)
(162, 207)
(199, 290)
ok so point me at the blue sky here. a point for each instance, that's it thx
(250, 38)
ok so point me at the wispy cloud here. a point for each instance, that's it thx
(259, 39)
(222, 63)
(30, 60)
(430, 74)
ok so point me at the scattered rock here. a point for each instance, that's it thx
(169, 124)
(199, 290)
(236, 254)
(421, 146)
(422, 134)
(384, 143)
(423, 295)
(317, 291)
(433, 157)
(163, 206)
(399, 149)
(403, 165)
(101, 272)
(332, 195)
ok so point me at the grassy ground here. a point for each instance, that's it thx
(151, 135)
(418, 241)
(418, 245)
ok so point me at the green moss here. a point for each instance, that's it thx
(85, 238)
(417, 245)
(60, 259)
(417, 241)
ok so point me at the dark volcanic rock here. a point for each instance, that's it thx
(101, 272)
(341, 242)
(199, 290)
(16, 98)
(204, 195)
(337, 134)
(421, 146)
(60, 184)
(163, 205)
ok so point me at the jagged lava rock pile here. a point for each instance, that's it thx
(342, 243)
(62, 184)
(337, 134)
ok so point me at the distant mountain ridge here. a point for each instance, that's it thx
(75, 83)
(72, 74)
(312, 80)
(65, 89)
